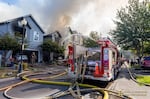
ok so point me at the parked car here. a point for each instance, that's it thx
(146, 62)
(24, 58)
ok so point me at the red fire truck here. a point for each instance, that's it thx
(101, 63)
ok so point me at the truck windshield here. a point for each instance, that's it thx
(94, 56)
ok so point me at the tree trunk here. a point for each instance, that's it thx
(142, 48)
(138, 54)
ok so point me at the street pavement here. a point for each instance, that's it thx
(5, 82)
(34, 90)
(127, 86)
(124, 84)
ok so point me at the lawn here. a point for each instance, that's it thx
(143, 79)
(7, 72)
(136, 66)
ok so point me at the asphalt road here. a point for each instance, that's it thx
(40, 91)
(32, 90)
(37, 91)
(6, 82)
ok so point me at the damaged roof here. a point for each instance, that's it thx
(20, 18)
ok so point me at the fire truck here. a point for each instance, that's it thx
(101, 63)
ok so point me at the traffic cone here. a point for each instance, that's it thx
(97, 71)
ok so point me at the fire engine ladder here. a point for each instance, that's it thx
(83, 67)
(75, 84)
(80, 72)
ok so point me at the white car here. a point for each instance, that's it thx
(24, 58)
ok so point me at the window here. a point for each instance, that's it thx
(94, 56)
(35, 36)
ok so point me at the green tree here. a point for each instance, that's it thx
(133, 23)
(94, 35)
(8, 42)
(52, 47)
(91, 41)
(147, 48)
(87, 42)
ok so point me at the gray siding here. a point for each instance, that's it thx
(32, 42)
(4, 28)
(34, 34)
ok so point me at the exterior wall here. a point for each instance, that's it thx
(54, 37)
(4, 28)
(33, 36)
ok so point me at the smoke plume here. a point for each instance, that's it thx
(81, 15)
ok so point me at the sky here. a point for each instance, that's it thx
(83, 16)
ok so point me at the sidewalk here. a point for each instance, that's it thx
(7, 72)
(127, 86)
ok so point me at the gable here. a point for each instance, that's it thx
(30, 22)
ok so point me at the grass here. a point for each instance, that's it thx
(136, 66)
(7, 73)
(143, 79)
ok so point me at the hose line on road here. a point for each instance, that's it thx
(105, 93)
(36, 80)
(90, 87)
(130, 73)
(42, 81)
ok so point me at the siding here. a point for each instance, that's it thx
(33, 44)
(32, 29)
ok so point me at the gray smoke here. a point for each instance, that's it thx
(54, 14)
(62, 12)
(82, 15)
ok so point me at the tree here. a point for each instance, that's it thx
(92, 40)
(87, 42)
(147, 48)
(8, 42)
(94, 35)
(132, 26)
(49, 47)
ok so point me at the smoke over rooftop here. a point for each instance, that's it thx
(81, 15)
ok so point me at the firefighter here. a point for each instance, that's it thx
(33, 58)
